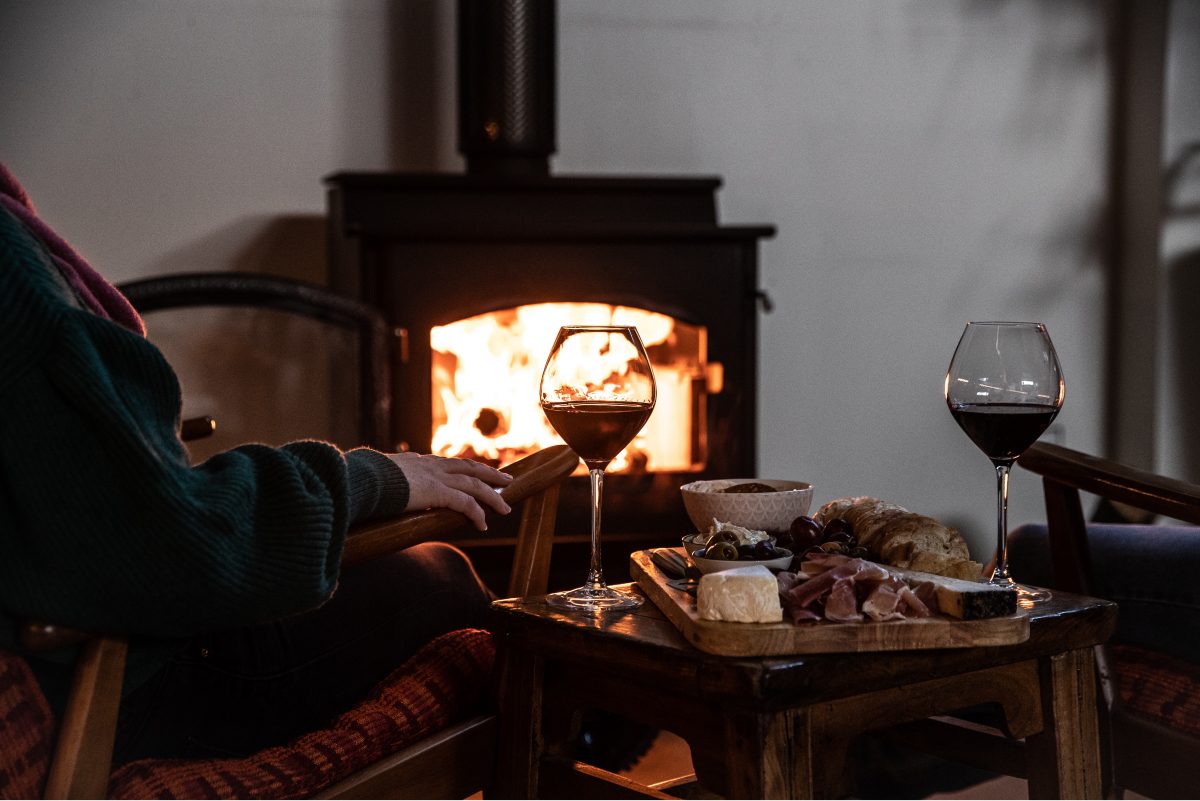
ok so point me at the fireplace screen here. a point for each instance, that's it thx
(486, 368)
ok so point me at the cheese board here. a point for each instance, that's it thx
(786, 638)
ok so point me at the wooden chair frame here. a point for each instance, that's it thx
(453, 763)
(1138, 749)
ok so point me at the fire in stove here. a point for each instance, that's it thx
(486, 368)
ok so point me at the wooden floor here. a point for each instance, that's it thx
(669, 758)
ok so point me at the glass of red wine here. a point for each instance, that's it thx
(597, 390)
(1004, 387)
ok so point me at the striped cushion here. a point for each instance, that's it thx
(445, 682)
(26, 730)
(1159, 686)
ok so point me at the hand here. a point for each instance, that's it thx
(459, 484)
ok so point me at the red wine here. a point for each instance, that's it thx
(1003, 430)
(597, 430)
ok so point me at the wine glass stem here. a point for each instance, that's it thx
(1000, 574)
(595, 578)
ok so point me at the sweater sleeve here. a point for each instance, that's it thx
(103, 522)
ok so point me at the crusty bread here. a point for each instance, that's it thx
(895, 536)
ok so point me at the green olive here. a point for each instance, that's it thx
(725, 551)
(722, 536)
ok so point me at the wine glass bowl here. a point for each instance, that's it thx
(1004, 387)
(597, 390)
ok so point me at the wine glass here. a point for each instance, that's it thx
(597, 390)
(1004, 387)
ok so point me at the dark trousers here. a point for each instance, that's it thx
(235, 692)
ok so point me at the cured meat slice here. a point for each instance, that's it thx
(911, 605)
(842, 604)
(881, 603)
(800, 615)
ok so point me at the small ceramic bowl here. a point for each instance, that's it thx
(763, 511)
(693, 541)
(781, 562)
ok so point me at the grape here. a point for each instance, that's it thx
(805, 532)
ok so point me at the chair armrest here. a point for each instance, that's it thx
(531, 475)
(1108, 479)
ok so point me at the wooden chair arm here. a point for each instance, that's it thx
(1065, 473)
(531, 475)
(1154, 493)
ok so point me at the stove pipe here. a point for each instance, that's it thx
(506, 86)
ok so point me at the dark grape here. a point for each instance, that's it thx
(805, 532)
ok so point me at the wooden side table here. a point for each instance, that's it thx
(777, 727)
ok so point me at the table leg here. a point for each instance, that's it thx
(520, 743)
(768, 755)
(1064, 759)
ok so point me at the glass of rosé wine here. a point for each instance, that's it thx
(597, 390)
(1004, 387)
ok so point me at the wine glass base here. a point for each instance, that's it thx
(590, 599)
(1027, 596)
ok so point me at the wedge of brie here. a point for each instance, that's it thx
(741, 595)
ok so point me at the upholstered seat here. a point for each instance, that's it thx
(1158, 686)
(26, 730)
(444, 683)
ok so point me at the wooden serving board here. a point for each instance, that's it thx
(781, 639)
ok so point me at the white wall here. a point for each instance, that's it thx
(1178, 433)
(927, 163)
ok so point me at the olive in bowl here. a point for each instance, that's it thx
(781, 560)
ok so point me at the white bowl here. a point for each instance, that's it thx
(717, 565)
(771, 512)
(698, 540)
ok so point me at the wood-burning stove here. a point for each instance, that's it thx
(432, 249)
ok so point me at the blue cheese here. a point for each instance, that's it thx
(740, 595)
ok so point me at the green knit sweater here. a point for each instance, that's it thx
(104, 524)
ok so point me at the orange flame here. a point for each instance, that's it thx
(486, 371)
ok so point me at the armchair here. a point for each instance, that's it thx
(440, 749)
(1150, 671)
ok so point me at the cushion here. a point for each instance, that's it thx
(26, 730)
(443, 683)
(1147, 570)
(1159, 686)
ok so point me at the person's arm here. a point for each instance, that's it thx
(105, 525)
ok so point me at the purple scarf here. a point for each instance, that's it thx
(96, 294)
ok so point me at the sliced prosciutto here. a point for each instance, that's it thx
(848, 590)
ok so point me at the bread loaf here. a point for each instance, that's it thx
(895, 536)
